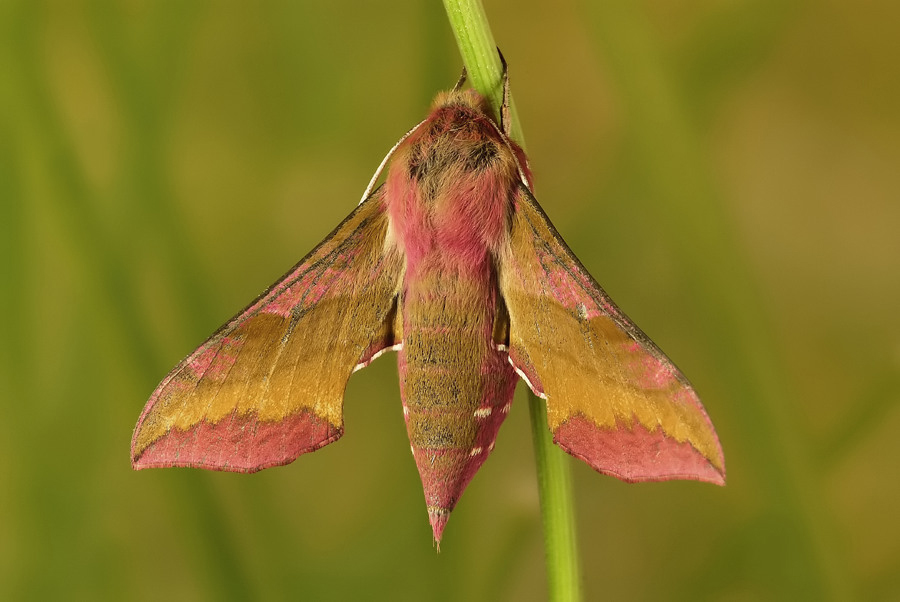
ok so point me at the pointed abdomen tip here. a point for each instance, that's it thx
(438, 519)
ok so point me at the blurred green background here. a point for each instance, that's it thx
(729, 171)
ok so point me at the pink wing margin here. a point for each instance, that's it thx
(614, 399)
(268, 385)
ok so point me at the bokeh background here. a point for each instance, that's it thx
(730, 171)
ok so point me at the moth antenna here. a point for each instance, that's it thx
(504, 108)
(387, 158)
(461, 80)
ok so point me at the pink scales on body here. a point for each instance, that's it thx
(449, 218)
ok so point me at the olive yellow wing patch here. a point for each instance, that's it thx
(613, 398)
(269, 385)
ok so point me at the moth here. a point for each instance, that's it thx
(452, 264)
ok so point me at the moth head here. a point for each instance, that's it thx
(465, 99)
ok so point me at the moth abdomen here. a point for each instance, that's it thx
(453, 380)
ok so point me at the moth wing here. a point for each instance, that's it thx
(614, 399)
(269, 385)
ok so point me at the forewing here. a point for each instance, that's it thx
(269, 385)
(613, 398)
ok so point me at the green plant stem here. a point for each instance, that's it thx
(557, 511)
(479, 53)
